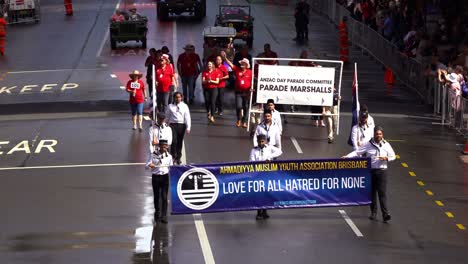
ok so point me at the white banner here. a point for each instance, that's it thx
(295, 85)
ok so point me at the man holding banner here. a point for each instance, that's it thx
(380, 152)
(264, 152)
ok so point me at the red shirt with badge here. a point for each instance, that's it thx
(164, 78)
(138, 87)
(243, 79)
(213, 75)
(188, 64)
(223, 72)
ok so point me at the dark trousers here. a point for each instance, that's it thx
(162, 100)
(220, 100)
(178, 133)
(150, 87)
(242, 104)
(379, 188)
(160, 188)
(210, 100)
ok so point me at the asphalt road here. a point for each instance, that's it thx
(74, 189)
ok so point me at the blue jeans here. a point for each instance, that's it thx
(137, 109)
(188, 87)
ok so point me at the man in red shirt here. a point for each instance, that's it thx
(189, 66)
(136, 90)
(223, 77)
(243, 89)
(210, 81)
(165, 78)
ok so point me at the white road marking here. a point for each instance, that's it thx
(106, 35)
(113, 75)
(296, 145)
(351, 223)
(53, 70)
(143, 236)
(147, 118)
(72, 166)
(204, 242)
(122, 87)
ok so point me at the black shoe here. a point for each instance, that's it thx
(330, 140)
(156, 217)
(259, 217)
(265, 215)
(373, 216)
(386, 218)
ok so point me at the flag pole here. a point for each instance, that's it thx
(358, 105)
(153, 84)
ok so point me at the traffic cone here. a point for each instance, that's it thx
(388, 76)
(68, 7)
(465, 151)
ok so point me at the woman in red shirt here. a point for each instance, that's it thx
(223, 77)
(136, 90)
(165, 78)
(210, 81)
(242, 88)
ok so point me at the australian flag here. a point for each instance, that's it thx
(356, 107)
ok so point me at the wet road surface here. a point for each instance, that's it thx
(74, 189)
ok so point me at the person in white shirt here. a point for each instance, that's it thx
(178, 118)
(275, 114)
(264, 152)
(370, 119)
(159, 130)
(380, 152)
(361, 132)
(159, 162)
(268, 128)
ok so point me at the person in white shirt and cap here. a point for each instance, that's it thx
(159, 130)
(361, 132)
(268, 128)
(380, 152)
(178, 118)
(275, 114)
(264, 152)
(370, 119)
(159, 162)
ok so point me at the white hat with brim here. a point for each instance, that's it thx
(452, 77)
(165, 56)
(135, 73)
(246, 61)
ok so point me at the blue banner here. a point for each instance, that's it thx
(266, 185)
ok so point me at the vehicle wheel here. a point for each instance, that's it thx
(250, 42)
(143, 43)
(113, 43)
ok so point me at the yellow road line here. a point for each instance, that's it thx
(449, 215)
(404, 165)
(420, 183)
(439, 203)
(397, 156)
(412, 174)
(395, 140)
(429, 193)
(461, 227)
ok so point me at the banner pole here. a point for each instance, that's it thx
(251, 93)
(339, 101)
(153, 83)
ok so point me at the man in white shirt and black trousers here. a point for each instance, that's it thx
(264, 152)
(178, 118)
(380, 152)
(268, 128)
(159, 162)
(159, 130)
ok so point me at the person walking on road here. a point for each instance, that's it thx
(270, 129)
(370, 119)
(301, 14)
(189, 66)
(178, 118)
(3, 25)
(264, 152)
(242, 88)
(223, 77)
(159, 131)
(165, 78)
(149, 62)
(210, 81)
(380, 152)
(275, 114)
(136, 89)
(159, 162)
(361, 132)
(330, 113)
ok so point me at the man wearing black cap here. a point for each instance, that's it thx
(380, 152)
(160, 130)
(361, 132)
(159, 162)
(263, 152)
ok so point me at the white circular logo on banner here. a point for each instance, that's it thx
(198, 188)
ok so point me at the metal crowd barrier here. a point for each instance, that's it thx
(408, 70)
